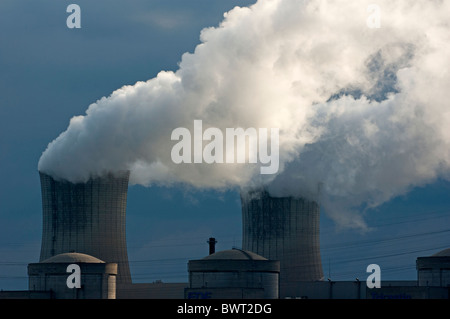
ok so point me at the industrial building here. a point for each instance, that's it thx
(84, 225)
(434, 271)
(97, 282)
(232, 274)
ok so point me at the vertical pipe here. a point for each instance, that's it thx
(212, 245)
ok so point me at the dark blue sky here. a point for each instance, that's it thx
(49, 73)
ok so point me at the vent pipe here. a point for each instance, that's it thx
(212, 245)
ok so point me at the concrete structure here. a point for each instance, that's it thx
(155, 290)
(88, 218)
(433, 282)
(97, 278)
(434, 271)
(25, 294)
(234, 273)
(405, 291)
(359, 290)
(284, 229)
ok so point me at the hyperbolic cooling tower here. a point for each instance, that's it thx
(86, 218)
(284, 229)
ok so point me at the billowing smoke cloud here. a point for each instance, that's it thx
(364, 112)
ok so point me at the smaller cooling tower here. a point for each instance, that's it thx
(284, 229)
(86, 218)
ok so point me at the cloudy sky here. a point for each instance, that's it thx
(357, 127)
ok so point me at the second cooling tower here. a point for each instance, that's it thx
(86, 218)
(284, 229)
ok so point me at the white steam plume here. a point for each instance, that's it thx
(365, 111)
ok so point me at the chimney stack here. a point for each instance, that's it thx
(212, 245)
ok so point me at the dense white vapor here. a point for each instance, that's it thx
(363, 111)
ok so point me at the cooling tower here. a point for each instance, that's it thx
(86, 218)
(284, 229)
